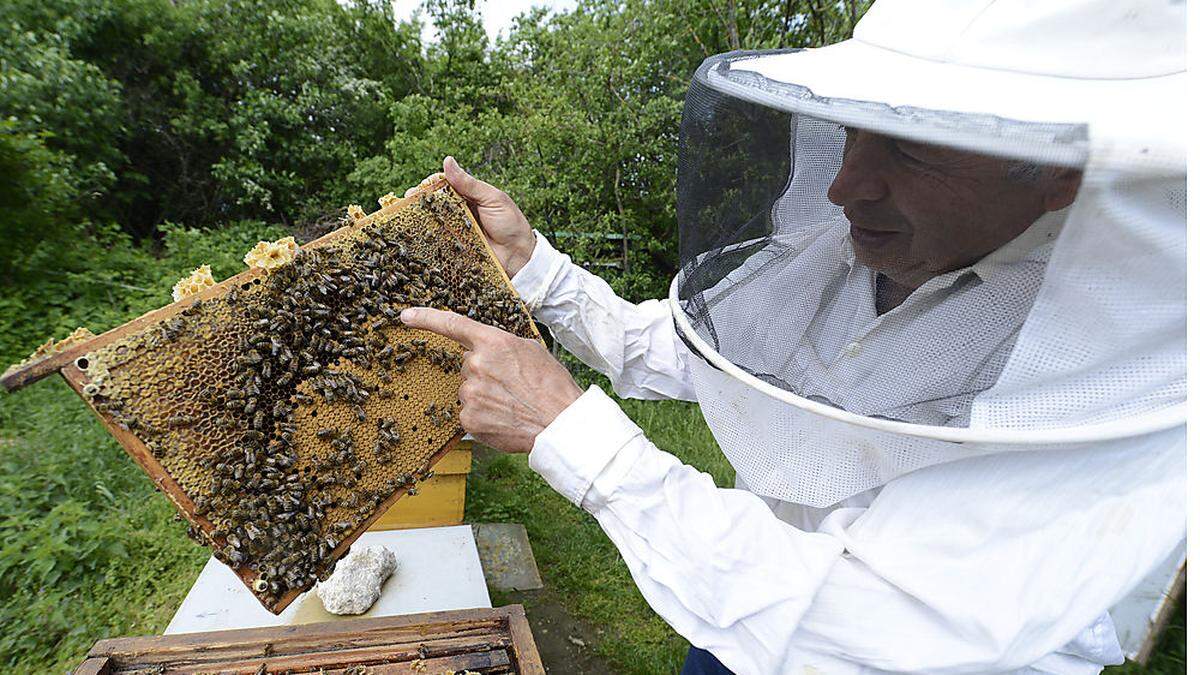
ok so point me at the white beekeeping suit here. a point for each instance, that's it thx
(956, 413)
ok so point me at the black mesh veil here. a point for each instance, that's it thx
(770, 276)
(734, 163)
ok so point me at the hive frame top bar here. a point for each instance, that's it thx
(38, 369)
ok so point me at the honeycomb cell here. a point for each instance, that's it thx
(270, 255)
(200, 279)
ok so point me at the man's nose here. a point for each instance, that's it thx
(861, 176)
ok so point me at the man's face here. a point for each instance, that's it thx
(917, 211)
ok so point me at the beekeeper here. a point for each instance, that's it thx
(931, 302)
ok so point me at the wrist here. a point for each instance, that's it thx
(572, 451)
(520, 255)
(559, 400)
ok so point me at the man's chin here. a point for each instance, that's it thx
(872, 258)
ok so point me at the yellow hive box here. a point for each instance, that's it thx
(440, 500)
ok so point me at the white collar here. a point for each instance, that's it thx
(1032, 244)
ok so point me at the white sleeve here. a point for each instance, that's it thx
(635, 346)
(981, 565)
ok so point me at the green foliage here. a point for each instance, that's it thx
(105, 279)
(203, 112)
(582, 126)
(65, 100)
(35, 191)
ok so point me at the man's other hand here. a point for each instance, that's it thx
(505, 227)
(512, 387)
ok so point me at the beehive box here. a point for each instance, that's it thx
(473, 640)
(441, 500)
(283, 412)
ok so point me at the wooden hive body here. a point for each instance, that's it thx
(473, 640)
(283, 412)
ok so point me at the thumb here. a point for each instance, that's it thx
(468, 186)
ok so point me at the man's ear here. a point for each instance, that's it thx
(1062, 185)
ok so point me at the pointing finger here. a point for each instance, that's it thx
(467, 332)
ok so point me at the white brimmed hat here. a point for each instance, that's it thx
(1117, 66)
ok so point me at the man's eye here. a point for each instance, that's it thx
(908, 154)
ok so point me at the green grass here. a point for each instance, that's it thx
(89, 551)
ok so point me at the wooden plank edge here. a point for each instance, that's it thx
(1162, 617)
(409, 642)
(331, 657)
(352, 632)
(525, 652)
(101, 665)
(331, 663)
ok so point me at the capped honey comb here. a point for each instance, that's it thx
(283, 411)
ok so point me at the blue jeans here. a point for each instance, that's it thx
(700, 662)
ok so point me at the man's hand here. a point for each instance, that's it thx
(505, 227)
(512, 387)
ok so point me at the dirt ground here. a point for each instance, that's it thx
(564, 642)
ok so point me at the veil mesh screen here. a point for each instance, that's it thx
(772, 279)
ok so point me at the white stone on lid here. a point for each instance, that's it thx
(357, 581)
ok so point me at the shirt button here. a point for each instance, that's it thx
(853, 349)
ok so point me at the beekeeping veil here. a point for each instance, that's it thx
(1020, 165)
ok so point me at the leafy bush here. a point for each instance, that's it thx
(203, 112)
(104, 279)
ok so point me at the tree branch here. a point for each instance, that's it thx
(814, 13)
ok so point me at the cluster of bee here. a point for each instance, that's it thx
(440, 415)
(448, 361)
(387, 438)
(322, 333)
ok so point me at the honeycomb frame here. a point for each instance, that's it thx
(356, 435)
